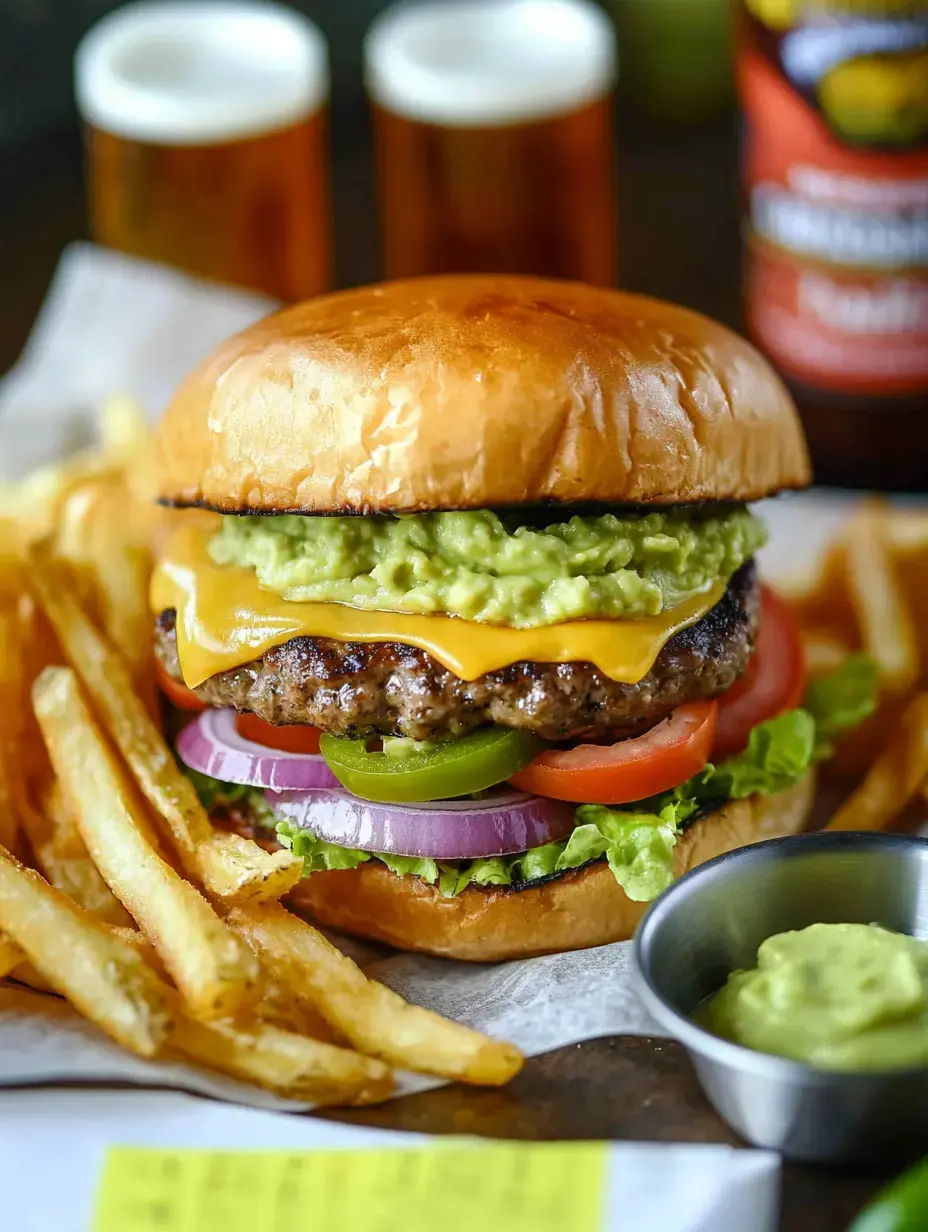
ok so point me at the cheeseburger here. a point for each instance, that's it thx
(473, 624)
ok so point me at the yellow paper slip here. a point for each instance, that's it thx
(505, 1187)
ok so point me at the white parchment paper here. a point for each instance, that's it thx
(538, 1004)
(109, 324)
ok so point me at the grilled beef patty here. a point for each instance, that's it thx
(366, 689)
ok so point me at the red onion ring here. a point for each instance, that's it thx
(212, 745)
(501, 824)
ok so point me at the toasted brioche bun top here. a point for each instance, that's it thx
(465, 392)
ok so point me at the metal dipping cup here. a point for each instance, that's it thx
(712, 921)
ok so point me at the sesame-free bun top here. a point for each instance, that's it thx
(466, 392)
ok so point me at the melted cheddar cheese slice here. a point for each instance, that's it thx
(225, 619)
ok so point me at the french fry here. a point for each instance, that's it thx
(11, 956)
(125, 437)
(214, 970)
(25, 973)
(824, 604)
(233, 871)
(230, 870)
(71, 870)
(290, 1064)
(127, 441)
(275, 1058)
(36, 827)
(13, 963)
(140, 943)
(894, 778)
(40, 649)
(823, 652)
(125, 454)
(16, 811)
(276, 1005)
(73, 544)
(27, 641)
(102, 976)
(887, 628)
(122, 573)
(906, 533)
(9, 811)
(111, 565)
(11, 678)
(12, 547)
(34, 504)
(370, 1016)
(65, 862)
(11, 688)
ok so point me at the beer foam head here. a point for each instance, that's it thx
(200, 73)
(489, 62)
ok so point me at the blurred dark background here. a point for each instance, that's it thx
(676, 138)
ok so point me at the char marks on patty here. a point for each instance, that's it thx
(368, 689)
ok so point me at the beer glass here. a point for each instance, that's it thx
(205, 141)
(493, 131)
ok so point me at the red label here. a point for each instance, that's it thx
(837, 254)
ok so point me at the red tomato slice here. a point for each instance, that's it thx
(633, 769)
(176, 691)
(289, 738)
(775, 679)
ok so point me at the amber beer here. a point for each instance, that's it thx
(206, 142)
(251, 212)
(493, 130)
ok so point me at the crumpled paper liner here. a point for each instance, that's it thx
(538, 1004)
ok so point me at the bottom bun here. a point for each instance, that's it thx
(573, 911)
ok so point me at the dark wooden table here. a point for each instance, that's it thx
(679, 231)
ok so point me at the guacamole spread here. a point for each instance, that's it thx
(477, 566)
(838, 996)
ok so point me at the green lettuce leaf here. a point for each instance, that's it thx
(638, 847)
(457, 876)
(841, 701)
(636, 840)
(317, 855)
(215, 794)
(536, 862)
(779, 753)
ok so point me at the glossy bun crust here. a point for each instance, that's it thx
(467, 392)
(571, 912)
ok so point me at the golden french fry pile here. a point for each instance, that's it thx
(871, 594)
(115, 890)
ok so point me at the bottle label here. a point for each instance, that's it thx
(835, 102)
